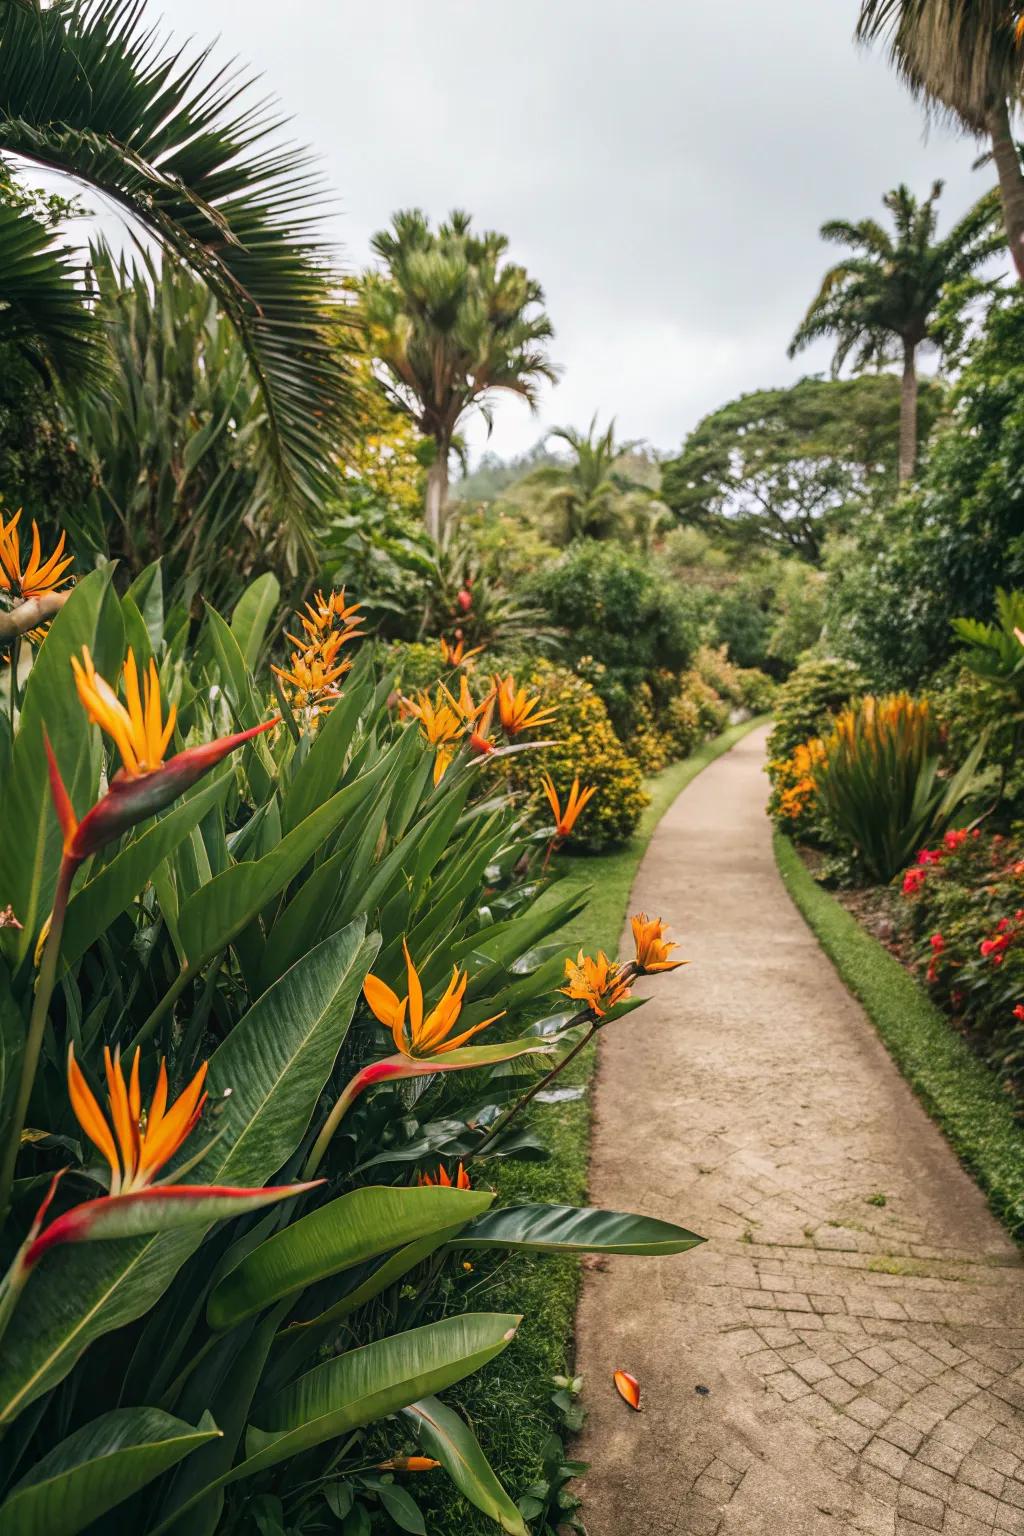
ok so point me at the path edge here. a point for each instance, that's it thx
(959, 1092)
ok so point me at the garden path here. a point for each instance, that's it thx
(826, 1363)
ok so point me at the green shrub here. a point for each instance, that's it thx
(757, 690)
(648, 744)
(712, 710)
(878, 782)
(815, 690)
(624, 624)
(683, 724)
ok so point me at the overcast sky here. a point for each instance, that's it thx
(661, 166)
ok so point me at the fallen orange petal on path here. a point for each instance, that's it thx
(628, 1387)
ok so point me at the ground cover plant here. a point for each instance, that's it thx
(256, 926)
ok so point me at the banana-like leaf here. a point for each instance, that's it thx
(252, 614)
(359, 1388)
(218, 911)
(348, 1231)
(275, 1063)
(163, 1208)
(96, 904)
(574, 1229)
(97, 1468)
(447, 1438)
(318, 774)
(369, 1383)
(30, 837)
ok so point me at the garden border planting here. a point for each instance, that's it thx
(960, 1093)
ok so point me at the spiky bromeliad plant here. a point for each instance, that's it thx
(228, 1297)
(878, 781)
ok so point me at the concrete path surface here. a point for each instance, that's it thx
(826, 1362)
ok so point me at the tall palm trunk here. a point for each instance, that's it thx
(437, 492)
(1011, 180)
(908, 413)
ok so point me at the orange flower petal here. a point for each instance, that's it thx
(628, 1388)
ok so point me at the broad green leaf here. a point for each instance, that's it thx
(402, 1508)
(12, 1044)
(96, 904)
(30, 838)
(369, 1383)
(347, 1231)
(218, 911)
(318, 774)
(252, 613)
(275, 1063)
(97, 1468)
(147, 593)
(392, 1269)
(574, 1229)
(446, 1437)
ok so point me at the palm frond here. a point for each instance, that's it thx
(88, 87)
(42, 303)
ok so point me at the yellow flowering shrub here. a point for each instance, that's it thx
(651, 747)
(584, 745)
(794, 801)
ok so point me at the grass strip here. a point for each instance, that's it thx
(507, 1402)
(959, 1092)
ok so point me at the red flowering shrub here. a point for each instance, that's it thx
(963, 909)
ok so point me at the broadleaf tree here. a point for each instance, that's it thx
(780, 469)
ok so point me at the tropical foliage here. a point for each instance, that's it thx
(277, 940)
(197, 161)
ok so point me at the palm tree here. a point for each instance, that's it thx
(963, 57)
(88, 88)
(880, 304)
(449, 320)
(589, 494)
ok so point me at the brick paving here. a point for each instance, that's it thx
(846, 1353)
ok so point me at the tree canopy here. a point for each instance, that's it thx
(781, 468)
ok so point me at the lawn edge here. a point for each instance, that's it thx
(959, 1092)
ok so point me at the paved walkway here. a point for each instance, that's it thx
(846, 1353)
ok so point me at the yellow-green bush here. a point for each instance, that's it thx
(584, 745)
(648, 744)
(712, 710)
(682, 724)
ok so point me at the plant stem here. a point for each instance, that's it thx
(168, 1000)
(36, 1029)
(330, 1125)
(503, 1121)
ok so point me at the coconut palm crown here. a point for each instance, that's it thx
(880, 303)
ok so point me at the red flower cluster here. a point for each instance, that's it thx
(1007, 931)
(938, 944)
(914, 878)
(1018, 1012)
